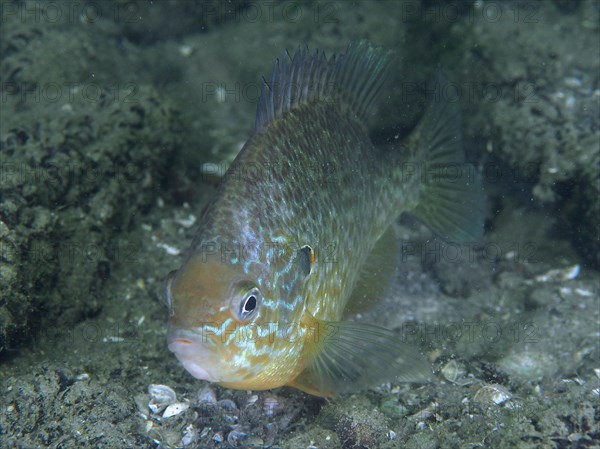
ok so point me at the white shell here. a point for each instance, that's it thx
(493, 393)
(207, 396)
(156, 408)
(162, 393)
(186, 222)
(175, 409)
(559, 274)
(190, 435)
(186, 50)
(251, 400)
(271, 405)
(584, 292)
(160, 397)
(453, 370)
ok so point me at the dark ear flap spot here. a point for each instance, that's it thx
(306, 259)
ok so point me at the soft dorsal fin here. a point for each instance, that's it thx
(353, 79)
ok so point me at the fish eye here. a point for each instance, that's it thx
(248, 304)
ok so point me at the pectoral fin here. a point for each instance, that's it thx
(376, 274)
(349, 356)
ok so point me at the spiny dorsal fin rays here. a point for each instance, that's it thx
(353, 79)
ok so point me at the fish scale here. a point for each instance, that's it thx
(300, 227)
(333, 215)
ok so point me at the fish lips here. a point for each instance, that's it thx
(192, 354)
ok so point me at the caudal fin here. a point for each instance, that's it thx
(451, 200)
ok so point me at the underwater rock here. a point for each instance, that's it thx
(532, 95)
(73, 153)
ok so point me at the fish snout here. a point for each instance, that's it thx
(193, 355)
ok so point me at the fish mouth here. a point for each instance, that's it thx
(192, 354)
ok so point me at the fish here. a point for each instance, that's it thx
(300, 232)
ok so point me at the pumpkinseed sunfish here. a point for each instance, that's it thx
(300, 230)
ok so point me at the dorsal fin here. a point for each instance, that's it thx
(353, 80)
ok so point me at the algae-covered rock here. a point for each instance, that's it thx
(356, 423)
(147, 22)
(84, 412)
(80, 159)
(526, 77)
(528, 82)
